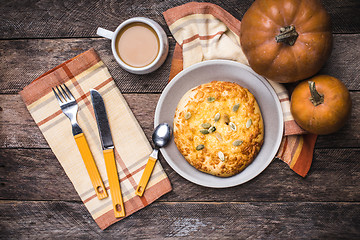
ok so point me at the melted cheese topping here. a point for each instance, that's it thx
(239, 131)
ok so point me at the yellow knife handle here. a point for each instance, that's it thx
(91, 166)
(114, 183)
(145, 176)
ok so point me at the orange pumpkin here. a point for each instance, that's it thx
(286, 40)
(321, 105)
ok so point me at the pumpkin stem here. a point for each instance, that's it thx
(316, 98)
(288, 35)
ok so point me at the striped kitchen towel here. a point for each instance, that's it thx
(204, 31)
(132, 149)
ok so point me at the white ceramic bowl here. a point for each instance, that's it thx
(222, 70)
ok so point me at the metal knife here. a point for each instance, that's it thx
(108, 151)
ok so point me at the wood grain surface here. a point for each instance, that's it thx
(184, 220)
(63, 19)
(24, 60)
(40, 172)
(38, 201)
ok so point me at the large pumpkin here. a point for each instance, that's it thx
(286, 40)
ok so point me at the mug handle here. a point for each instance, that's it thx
(105, 33)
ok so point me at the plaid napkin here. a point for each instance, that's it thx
(204, 31)
(132, 148)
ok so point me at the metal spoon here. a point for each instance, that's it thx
(160, 137)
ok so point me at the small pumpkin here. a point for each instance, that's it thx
(286, 40)
(321, 105)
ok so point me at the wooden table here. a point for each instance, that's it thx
(38, 201)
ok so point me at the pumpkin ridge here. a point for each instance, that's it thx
(263, 43)
(306, 9)
(256, 48)
(312, 120)
(283, 19)
(295, 4)
(293, 50)
(276, 56)
(268, 17)
(317, 32)
(291, 21)
(261, 7)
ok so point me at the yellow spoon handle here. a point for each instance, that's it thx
(91, 166)
(145, 176)
(115, 191)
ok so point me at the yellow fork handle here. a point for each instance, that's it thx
(91, 166)
(114, 183)
(145, 176)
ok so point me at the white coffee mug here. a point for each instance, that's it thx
(163, 44)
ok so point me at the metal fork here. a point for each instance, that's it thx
(70, 108)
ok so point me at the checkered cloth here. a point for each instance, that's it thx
(132, 148)
(204, 31)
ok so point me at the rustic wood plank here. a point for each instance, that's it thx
(59, 220)
(28, 174)
(18, 130)
(344, 60)
(57, 19)
(24, 60)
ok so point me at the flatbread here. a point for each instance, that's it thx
(218, 128)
